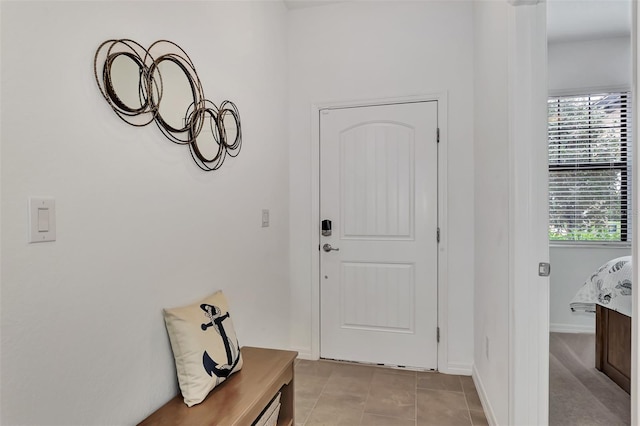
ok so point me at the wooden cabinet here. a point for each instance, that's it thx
(242, 397)
(613, 346)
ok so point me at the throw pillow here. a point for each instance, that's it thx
(205, 346)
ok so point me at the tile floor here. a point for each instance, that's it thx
(333, 393)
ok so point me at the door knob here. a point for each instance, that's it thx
(328, 248)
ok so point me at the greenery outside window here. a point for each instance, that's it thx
(589, 167)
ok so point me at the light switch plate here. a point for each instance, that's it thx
(42, 220)
(265, 218)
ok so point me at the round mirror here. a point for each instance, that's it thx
(207, 146)
(125, 85)
(167, 90)
(178, 93)
(230, 129)
(229, 124)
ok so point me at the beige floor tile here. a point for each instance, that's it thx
(303, 407)
(307, 386)
(473, 400)
(444, 406)
(339, 403)
(336, 410)
(478, 418)
(392, 402)
(314, 368)
(446, 417)
(400, 371)
(343, 394)
(384, 379)
(438, 381)
(374, 420)
(467, 383)
(352, 370)
(329, 418)
(348, 386)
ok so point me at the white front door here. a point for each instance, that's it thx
(378, 187)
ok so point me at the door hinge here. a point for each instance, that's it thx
(438, 135)
(438, 235)
(438, 334)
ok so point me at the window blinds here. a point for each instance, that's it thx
(589, 167)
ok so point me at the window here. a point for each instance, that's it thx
(589, 167)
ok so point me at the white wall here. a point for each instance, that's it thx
(139, 226)
(491, 208)
(573, 69)
(369, 50)
(571, 267)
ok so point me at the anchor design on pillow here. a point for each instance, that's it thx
(216, 321)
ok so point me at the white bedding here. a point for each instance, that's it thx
(609, 286)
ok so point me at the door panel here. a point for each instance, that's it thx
(376, 191)
(387, 290)
(379, 188)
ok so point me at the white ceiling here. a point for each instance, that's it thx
(587, 19)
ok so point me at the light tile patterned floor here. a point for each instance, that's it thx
(333, 393)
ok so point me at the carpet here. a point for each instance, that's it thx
(579, 394)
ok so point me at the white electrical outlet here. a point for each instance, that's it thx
(265, 218)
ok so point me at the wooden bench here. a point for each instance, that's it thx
(241, 398)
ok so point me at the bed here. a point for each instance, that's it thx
(608, 294)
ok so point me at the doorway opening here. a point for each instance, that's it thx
(589, 64)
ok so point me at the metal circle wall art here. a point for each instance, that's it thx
(160, 85)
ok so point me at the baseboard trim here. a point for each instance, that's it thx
(486, 406)
(457, 369)
(572, 328)
(304, 353)
(451, 368)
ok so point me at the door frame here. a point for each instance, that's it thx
(635, 321)
(441, 98)
(528, 213)
(528, 358)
